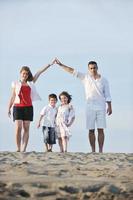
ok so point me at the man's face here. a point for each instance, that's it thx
(92, 69)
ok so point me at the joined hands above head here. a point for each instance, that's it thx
(57, 61)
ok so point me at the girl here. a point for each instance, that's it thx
(65, 118)
(23, 93)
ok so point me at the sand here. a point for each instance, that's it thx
(66, 176)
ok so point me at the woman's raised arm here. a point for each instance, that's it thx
(43, 69)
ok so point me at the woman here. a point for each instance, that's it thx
(23, 93)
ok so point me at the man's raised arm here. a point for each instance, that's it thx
(66, 68)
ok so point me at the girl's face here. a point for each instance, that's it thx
(64, 100)
(24, 75)
(52, 102)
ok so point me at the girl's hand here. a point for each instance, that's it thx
(38, 126)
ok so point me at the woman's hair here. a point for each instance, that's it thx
(64, 93)
(30, 76)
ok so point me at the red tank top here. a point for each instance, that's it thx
(25, 96)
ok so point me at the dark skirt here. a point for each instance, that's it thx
(49, 135)
(23, 113)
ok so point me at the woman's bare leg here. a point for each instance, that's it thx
(18, 130)
(25, 139)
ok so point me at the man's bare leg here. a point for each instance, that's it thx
(92, 139)
(100, 139)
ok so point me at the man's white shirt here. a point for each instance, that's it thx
(96, 91)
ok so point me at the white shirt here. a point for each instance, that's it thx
(65, 114)
(64, 119)
(34, 94)
(49, 114)
(96, 91)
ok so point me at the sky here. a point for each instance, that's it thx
(76, 31)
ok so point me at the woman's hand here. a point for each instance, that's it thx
(58, 62)
(9, 113)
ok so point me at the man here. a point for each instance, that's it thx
(97, 96)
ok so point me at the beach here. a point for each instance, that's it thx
(66, 176)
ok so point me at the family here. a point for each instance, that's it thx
(56, 121)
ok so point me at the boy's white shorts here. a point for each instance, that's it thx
(95, 118)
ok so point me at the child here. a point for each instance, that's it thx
(48, 115)
(65, 118)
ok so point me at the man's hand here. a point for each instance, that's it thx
(58, 62)
(109, 109)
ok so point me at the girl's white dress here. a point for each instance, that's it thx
(65, 115)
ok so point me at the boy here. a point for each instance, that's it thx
(48, 114)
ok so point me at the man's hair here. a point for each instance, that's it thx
(92, 63)
(64, 93)
(52, 96)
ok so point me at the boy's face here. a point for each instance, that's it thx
(52, 101)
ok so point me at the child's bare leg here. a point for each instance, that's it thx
(18, 129)
(46, 147)
(60, 144)
(64, 143)
(50, 147)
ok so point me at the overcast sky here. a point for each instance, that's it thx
(76, 31)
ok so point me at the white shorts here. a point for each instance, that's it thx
(95, 119)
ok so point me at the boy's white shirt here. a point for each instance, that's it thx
(49, 115)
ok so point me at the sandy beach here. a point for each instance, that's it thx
(69, 176)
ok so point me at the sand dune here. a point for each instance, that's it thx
(70, 176)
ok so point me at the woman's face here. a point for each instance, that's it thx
(24, 75)
(63, 99)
